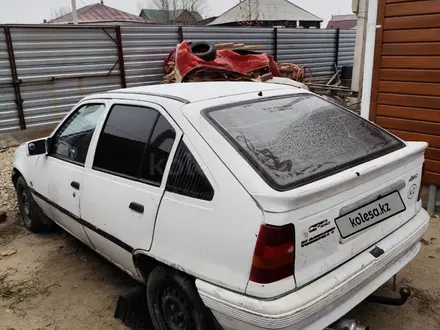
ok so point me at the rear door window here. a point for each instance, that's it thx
(124, 138)
(291, 141)
(135, 143)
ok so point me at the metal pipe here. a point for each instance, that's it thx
(432, 199)
(405, 293)
(369, 58)
(63, 77)
(180, 34)
(74, 13)
(347, 324)
(336, 60)
(361, 34)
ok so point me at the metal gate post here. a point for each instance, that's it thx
(432, 199)
(275, 44)
(15, 81)
(121, 56)
(338, 32)
(180, 34)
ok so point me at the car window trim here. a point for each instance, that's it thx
(151, 183)
(78, 107)
(67, 160)
(259, 169)
(147, 144)
(124, 176)
(147, 148)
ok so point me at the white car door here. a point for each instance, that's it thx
(59, 175)
(125, 179)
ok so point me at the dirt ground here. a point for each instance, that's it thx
(52, 281)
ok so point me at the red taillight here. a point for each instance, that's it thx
(274, 254)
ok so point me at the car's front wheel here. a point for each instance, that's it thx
(174, 303)
(30, 213)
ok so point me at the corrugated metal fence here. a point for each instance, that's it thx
(145, 48)
(314, 48)
(248, 36)
(57, 67)
(45, 70)
(8, 109)
(347, 41)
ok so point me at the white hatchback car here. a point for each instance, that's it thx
(267, 204)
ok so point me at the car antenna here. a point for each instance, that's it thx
(260, 94)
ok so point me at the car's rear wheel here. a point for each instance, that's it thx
(30, 213)
(174, 303)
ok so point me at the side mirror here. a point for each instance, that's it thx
(39, 147)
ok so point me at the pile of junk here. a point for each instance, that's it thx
(205, 61)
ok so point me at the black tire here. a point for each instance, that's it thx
(174, 303)
(29, 210)
(204, 50)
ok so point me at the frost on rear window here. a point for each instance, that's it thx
(295, 139)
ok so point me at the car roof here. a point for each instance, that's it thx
(195, 92)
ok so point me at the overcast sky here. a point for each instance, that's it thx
(34, 11)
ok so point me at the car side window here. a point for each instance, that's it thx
(187, 178)
(72, 140)
(123, 140)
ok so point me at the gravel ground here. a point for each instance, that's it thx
(52, 281)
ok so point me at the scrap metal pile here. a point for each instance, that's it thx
(204, 61)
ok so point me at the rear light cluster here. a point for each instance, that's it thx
(274, 254)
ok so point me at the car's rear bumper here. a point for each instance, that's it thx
(327, 299)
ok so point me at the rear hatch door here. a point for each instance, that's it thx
(338, 217)
(342, 181)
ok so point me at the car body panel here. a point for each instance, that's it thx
(324, 301)
(319, 249)
(196, 92)
(56, 197)
(215, 239)
(114, 194)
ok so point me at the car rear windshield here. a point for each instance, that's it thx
(291, 141)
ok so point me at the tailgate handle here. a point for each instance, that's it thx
(139, 208)
(397, 186)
